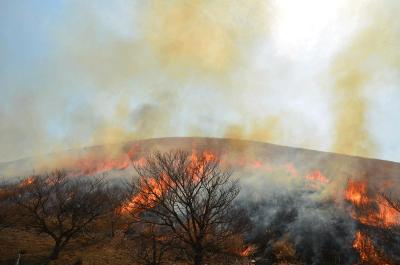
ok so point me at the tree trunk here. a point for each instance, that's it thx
(154, 256)
(112, 229)
(198, 256)
(58, 246)
(55, 252)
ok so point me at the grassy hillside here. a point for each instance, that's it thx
(36, 247)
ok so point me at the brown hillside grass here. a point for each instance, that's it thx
(101, 251)
(37, 247)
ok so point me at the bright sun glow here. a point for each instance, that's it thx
(302, 25)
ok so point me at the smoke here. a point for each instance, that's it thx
(15, 132)
(121, 72)
(137, 80)
(356, 70)
(316, 231)
(267, 130)
(80, 74)
(204, 38)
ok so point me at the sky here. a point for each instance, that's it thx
(322, 75)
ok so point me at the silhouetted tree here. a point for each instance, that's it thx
(191, 196)
(152, 243)
(59, 206)
(116, 197)
(7, 211)
(390, 201)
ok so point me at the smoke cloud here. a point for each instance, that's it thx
(78, 73)
(367, 56)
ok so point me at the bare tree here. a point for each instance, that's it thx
(391, 202)
(152, 243)
(7, 211)
(59, 206)
(116, 197)
(191, 196)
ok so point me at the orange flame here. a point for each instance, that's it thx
(28, 181)
(92, 166)
(259, 165)
(384, 216)
(292, 169)
(364, 246)
(248, 250)
(316, 179)
(356, 192)
(387, 214)
(371, 210)
(317, 176)
(152, 188)
(366, 249)
(94, 163)
(381, 215)
(196, 167)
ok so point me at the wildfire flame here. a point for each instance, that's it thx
(356, 192)
(27, 181)
(196, 168)
(317, 176)
(151, 188)
(374, 210)
(316, 179)
(248, 250)
(92, 166)
(258, 165)
(96, 163)
(365, 247)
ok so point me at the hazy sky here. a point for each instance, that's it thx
(316, 74)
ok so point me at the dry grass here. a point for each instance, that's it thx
(37, 247)
(104, 251)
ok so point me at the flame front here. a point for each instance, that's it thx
(316, 180)
(248, 250)
(91, 165)
(28, 181)
(152, 188)
(365, 247)
(356, 192)
(367, 251)
(370, 209)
